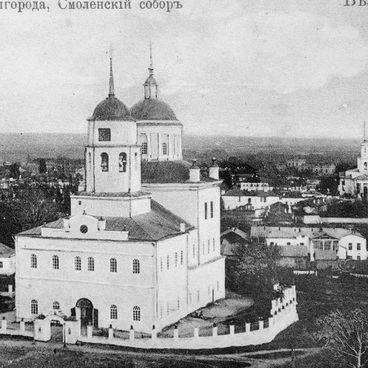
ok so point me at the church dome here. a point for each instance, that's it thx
(111, 109)
(152, 109)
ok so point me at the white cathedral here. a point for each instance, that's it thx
(355, 181)
(130, 254)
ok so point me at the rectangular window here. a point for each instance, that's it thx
(181, 257)
(168, 262)
(176, 259)
(358, 246)
(1, 265)
(104, 134)
(350, 246)
(193, 250)
(211, 209)
(205, 211)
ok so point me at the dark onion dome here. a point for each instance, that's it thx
(152, 109)
(111, 109)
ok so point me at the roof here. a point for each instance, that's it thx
(5, 251)
(152, 109)
(234, 235)
(155, 225)
(311, 232)
(111, 108)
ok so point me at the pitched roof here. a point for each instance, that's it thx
(155, 225)
(5, 251)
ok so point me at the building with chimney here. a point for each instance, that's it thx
(128, 254)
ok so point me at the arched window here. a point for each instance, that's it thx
(55, 262)
(55, 305)
(164, 148)
(113, 312)
(136, 266)
(136, 314)
(122, 161)
(91, 264)
(144, 148)
(77, 263)
(113, 265)
(104, 162)
(34, 307)
(33, 261)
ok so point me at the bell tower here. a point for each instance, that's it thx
(363, 159)
(112, 155)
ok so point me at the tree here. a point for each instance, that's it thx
(42, 166)
(253, 270)
(345, 334)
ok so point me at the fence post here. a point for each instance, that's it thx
(214, 330)
(22, 325)
(131, 333)
(111, 333)
(89, 331)
(4, 324)
(176, 332)
(261, 324)
(232, 330)
(247, 327)
(154, 333)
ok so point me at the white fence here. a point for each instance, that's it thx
(283, 314)
(5, 330)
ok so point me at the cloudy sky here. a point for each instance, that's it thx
(229, 67)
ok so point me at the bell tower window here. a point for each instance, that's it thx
(104, 134)
(122, 162)
(104, 162)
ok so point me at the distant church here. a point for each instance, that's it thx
(129, 254)
(355, 181)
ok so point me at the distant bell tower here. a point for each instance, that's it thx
(112, 155)
(363, 159)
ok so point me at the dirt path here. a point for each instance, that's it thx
(17, 353)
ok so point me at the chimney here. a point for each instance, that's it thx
(214, 170)
(194, 173)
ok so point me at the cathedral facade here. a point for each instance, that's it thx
(129, 254)
(355, 182)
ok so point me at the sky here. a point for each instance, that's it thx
(226, 67)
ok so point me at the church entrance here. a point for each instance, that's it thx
(86, 311)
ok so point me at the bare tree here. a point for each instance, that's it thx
(346, 335)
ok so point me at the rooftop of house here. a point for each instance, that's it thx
(155, 225)
(310, 232)
(5, 251)
(234, 235)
